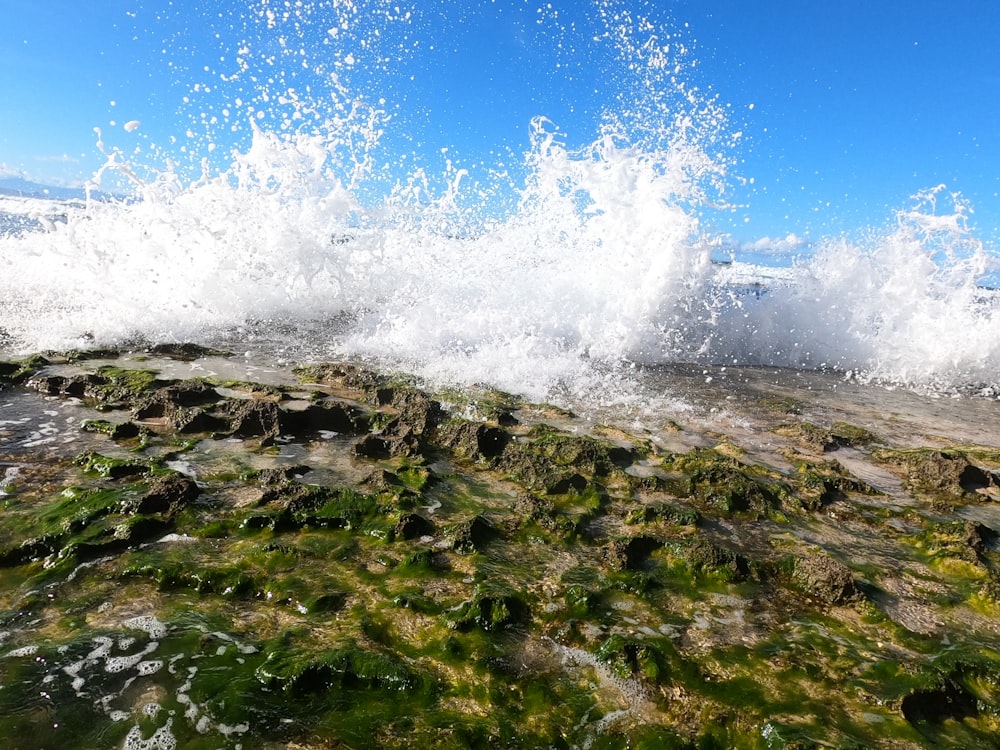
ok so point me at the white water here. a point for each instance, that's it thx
(561, 273)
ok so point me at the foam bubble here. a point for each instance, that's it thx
(243, 648)
(906, 306)
(115, 664)
(101, 649)
(161, 739)
(226, 730)
(8, 479)
(176, 539)
(148, 623)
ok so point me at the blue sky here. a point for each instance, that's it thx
(846, 108)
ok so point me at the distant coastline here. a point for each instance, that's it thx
(22, 188)
(19, 187)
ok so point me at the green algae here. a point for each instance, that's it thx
(114, 430)
(821, 483)
(302, 670)
(125, 385)
(492, 607)
(108, 467)
(669, 513)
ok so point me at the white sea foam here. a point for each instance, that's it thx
(905, 306)
(226, 730)
(148, 623)
(115, 664)
(552, 276)
(161, 739)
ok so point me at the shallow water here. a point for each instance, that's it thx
(765, 396)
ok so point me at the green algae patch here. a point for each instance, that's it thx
(492, 608)
(78, 519)
(108, 467)
(821, 483)
(630, 658)
(300, 669)
(490, 405)
(117, 384)
(114, 430)
(853, 435)
(666, 512)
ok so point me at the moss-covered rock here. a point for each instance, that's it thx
(166, 495)
(819, 484)
(109, 467)
(299, 669)
(474, 440)
(114, 430)
(18, 371)
(396, 440)
(823, 439)
(492, 608)
(415, 409)
(825, 578)
(947, 476)
(703, 557)
(628, 657)
(630, 554)
(666, 512)
(472, 535)
(415, 526)
(726, 484)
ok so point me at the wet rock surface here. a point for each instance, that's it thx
(355, 562)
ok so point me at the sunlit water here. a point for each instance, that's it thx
(557, 276)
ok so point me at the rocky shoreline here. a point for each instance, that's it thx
(351, 561)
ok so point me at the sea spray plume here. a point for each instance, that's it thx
(906, 306)
(287, 67)
(916, 312)
(255, 241)
(188, 254)
(602, 260)
(658, 106)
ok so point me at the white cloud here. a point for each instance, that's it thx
(8, 171)
(53, 176)
(776, 246)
